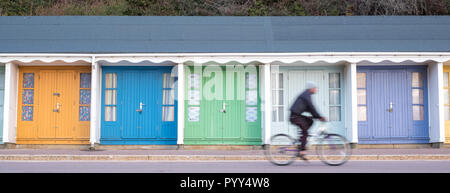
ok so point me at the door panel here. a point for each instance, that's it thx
(379, 105)
(47, 103)
(234, 84)
(212, 103)
(150, 98)
(398, 96)
(66, 89)
(297, 84)
(130, 97)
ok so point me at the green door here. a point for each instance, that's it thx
(222, 106)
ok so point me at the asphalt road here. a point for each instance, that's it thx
(222, 167)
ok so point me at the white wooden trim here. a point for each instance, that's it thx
(330, 57)
(95, 96)
(267, 104)
(436, 102)
(351, 115)
(180, 95)
(10, 103)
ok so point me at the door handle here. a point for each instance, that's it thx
(224, 108)
(391, 107)
(140, 107)
(57, 108)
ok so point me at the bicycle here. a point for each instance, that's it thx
(333, 149)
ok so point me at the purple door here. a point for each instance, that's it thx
(392, 105)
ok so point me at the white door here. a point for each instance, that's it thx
(286, 87)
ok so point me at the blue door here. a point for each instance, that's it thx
(392, 105)
(138, 106)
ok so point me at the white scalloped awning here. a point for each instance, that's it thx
(287, 58)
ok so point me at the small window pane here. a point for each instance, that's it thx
(27, 113)
(28, 80)
(28, 97)
(194, 81)
(335, 97)
(84, 113)
(277, 97)
(111, 80)
(85, 80)
(335, 113)
(445, 79)
(361, 80)
(110, 113)
(447, 113)
(251, 114)
(273, 80)
(110, 97)
(280, 80)
(417, 96)
(446, 99)
(168, 97)
(417, 79)
(251, 97)
(167, 80)
(194, 114)
(194, 97)
(362, 113)
(251, 81)
(361, 96)
(85, 97)
(168, 113)
(277, 114)
(418, 113)
(334, 81)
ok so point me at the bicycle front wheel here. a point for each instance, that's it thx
(282, 150)
(334, 150)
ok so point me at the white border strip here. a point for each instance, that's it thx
(330, 57)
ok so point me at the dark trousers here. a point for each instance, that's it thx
(304, 123)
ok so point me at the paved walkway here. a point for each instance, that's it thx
(73, 154)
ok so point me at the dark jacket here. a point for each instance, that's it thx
(303, 103)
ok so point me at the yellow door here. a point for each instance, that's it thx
(54, 105)
(46, 104)
(447, 103)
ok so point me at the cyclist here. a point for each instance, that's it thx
(302, 104)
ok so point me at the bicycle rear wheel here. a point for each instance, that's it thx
(334, 150)
(282, 150)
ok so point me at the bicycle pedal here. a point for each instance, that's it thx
(303, 157)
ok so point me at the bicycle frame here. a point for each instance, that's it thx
(317, 136)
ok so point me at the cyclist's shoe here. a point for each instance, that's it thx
(302, 156)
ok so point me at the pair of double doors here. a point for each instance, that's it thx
(286, 88)
(141, 99)
(225, 100)
(396, 105)
(54, 105)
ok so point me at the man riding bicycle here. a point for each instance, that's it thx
(302, 104)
